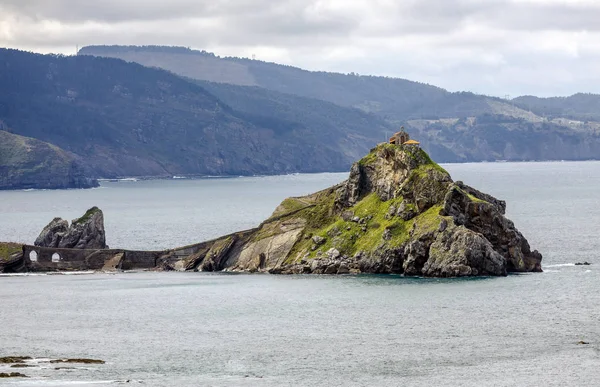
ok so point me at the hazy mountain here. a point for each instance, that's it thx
(491, 137)
(451, 126)
(126, 119)
(391, 98)
(115, 118)
(579, 106)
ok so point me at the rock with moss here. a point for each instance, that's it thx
(398, 212)
(86, 232)
(27, 163)
(11, 260)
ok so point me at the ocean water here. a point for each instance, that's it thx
(200, 329)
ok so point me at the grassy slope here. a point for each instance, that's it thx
(126, 119)
(7, 249)
(29, 163)
(347, 236)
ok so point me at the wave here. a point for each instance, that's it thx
(87, 272)
(560, 265)
(74, 382)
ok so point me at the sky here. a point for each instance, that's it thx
(503, 48)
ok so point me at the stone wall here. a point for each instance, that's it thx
(56, 259)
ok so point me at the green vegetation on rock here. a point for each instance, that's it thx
(29, 163)
(86, 217)
(7, 249)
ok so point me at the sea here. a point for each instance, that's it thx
(206, 329)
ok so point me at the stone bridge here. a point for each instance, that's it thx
(54, 259)
(39, 259)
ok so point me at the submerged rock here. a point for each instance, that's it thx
(86, 232)
(12, 375)
(80, 361)
(14, 359)
(398, 212)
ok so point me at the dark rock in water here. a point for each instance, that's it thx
(14, 359)
(19, 365)
(12, 375)
(86, 232)
(398, 212)
(582, 264)
(80, 361)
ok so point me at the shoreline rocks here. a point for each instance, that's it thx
(12, 375)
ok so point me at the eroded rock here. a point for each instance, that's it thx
(398, 212)
(86, 232)
(12, 375)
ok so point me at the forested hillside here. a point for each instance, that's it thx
(193, 113)
(124, 119)
(584, 107)
(451, 126)
(392, 98)
(29, 163)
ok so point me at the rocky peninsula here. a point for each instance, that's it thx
(28, 163)
(397, 213)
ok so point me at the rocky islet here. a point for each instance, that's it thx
(397, 213)
(86, 232)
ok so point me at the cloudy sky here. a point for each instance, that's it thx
(495, 47)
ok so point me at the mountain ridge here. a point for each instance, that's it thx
(130, 120)
(496, 128)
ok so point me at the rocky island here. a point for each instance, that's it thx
(397, 213)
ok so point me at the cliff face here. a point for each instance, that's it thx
(122, 119)
(398, 212)
(29, 163)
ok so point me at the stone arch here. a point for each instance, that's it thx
(56, 257)
(33, 256)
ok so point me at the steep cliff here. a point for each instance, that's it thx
(29, 163)
(122, 119)
(398, 212)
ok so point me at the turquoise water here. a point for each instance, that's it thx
(195, 329)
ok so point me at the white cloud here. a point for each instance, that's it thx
(497, 47)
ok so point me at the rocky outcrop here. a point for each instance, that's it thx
(11, 259)
(86, 232)
(52, 234)
(398, 212)
(27, 163)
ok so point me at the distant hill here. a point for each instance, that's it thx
(392, 98)
(453, 127)
(492, 137)
(584, 107)
(124, 119)
(29, 163)
(199, 114)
